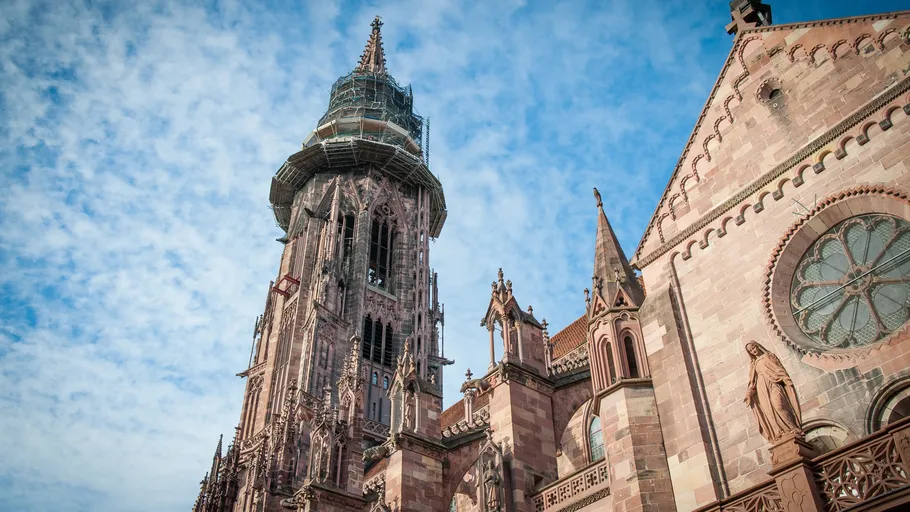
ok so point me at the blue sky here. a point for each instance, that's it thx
(136, 243)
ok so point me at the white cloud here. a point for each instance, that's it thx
(135, 241)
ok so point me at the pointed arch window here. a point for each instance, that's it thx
(375, 380)
(631, 361)
(376, 341)
(611, 365)
(387, 347)
(345, 240)
(381, 240)
(596, 440)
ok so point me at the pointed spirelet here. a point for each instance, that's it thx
(611, 268)
(373, 58)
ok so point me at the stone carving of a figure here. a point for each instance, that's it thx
(491, 482)
(409, 410)
(771, 395)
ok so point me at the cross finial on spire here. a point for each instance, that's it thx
(372, 60)
(468, 374)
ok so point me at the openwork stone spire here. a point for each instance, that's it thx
(373, 58)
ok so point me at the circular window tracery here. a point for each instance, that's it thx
(851, 287)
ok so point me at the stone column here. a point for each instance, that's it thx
(492, 329)
(521, 355)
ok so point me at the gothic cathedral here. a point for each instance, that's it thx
(752, 355)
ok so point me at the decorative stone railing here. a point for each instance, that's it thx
(761, 498)
(481, 418)
(376, 428)
(860, 472)
(873, 470)
(575, 491)
(577, 358)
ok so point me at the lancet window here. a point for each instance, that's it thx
(611, 365)
(381, 240)
(344, 249)
(596, 440)
(376, 342)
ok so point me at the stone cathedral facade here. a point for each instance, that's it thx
(752, 355)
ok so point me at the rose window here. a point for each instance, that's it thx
(852, 286)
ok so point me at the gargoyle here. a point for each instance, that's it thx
(375, 453)
(478, 384)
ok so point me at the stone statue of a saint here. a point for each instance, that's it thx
(491, 483)
(409, 410)
(771, 395)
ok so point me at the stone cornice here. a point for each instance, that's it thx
(252, 370)
(569, 379)
(808, 150)
(331, 495)
(455, 441)
(508, 372)
(624, 383)
(411, 442)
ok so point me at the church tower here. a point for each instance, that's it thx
(358, 206)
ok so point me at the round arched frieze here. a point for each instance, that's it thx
(840, 278)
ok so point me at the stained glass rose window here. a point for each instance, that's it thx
(852, 286)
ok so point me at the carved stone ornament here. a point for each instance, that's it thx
(772, 396)
(376, 453)
(380, 505)
(476, 384)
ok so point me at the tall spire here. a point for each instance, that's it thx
(216, 459)
(611, 268)
(373, 58)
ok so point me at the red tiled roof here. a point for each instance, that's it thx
(452, 415)
(570, 338)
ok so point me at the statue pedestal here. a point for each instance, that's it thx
(794, 478)
(790, 449)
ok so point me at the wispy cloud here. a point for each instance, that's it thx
(135, 239)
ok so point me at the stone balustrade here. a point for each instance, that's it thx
(875, 469)
(575, 491)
